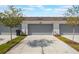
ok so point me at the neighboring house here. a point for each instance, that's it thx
(6, 30)
(43, 26)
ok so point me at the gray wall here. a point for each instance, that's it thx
(6, 30)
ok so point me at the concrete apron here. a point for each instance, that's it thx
(58, 47)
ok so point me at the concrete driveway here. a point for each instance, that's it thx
(58, 47)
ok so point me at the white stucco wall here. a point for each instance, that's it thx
(25, 28)
(56, 29)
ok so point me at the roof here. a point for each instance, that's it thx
(45, 18)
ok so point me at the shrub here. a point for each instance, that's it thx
(23, 34)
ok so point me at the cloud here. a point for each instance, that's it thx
(63, 8)
(48, 9)
(33, 7)
(43, 8)
(38, 6)
(55, 9)
(28, 9)
(66, 6)
(59, 10)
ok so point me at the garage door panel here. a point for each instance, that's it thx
(38, 29)
(77, 29)
(68, 29)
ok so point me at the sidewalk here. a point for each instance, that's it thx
(5, 38)
(58, 47)
(76, 37)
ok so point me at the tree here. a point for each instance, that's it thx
(72, 18)
(12, 17)
(73, 22)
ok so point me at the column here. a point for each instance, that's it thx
(25, 28)
(56, 29)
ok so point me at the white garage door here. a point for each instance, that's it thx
(40, 29)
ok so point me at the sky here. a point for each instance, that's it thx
(41, 10)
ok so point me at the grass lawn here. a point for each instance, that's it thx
(7, 46)
(71, 43)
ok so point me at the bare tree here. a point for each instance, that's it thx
(72, 18)
(11, 17)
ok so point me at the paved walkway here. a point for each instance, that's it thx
(76, 37)
(5, 38)
(58, 47)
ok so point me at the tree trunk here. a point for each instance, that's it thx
(73, 32)
(25, 29)
(10, 33)
(42, 50)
